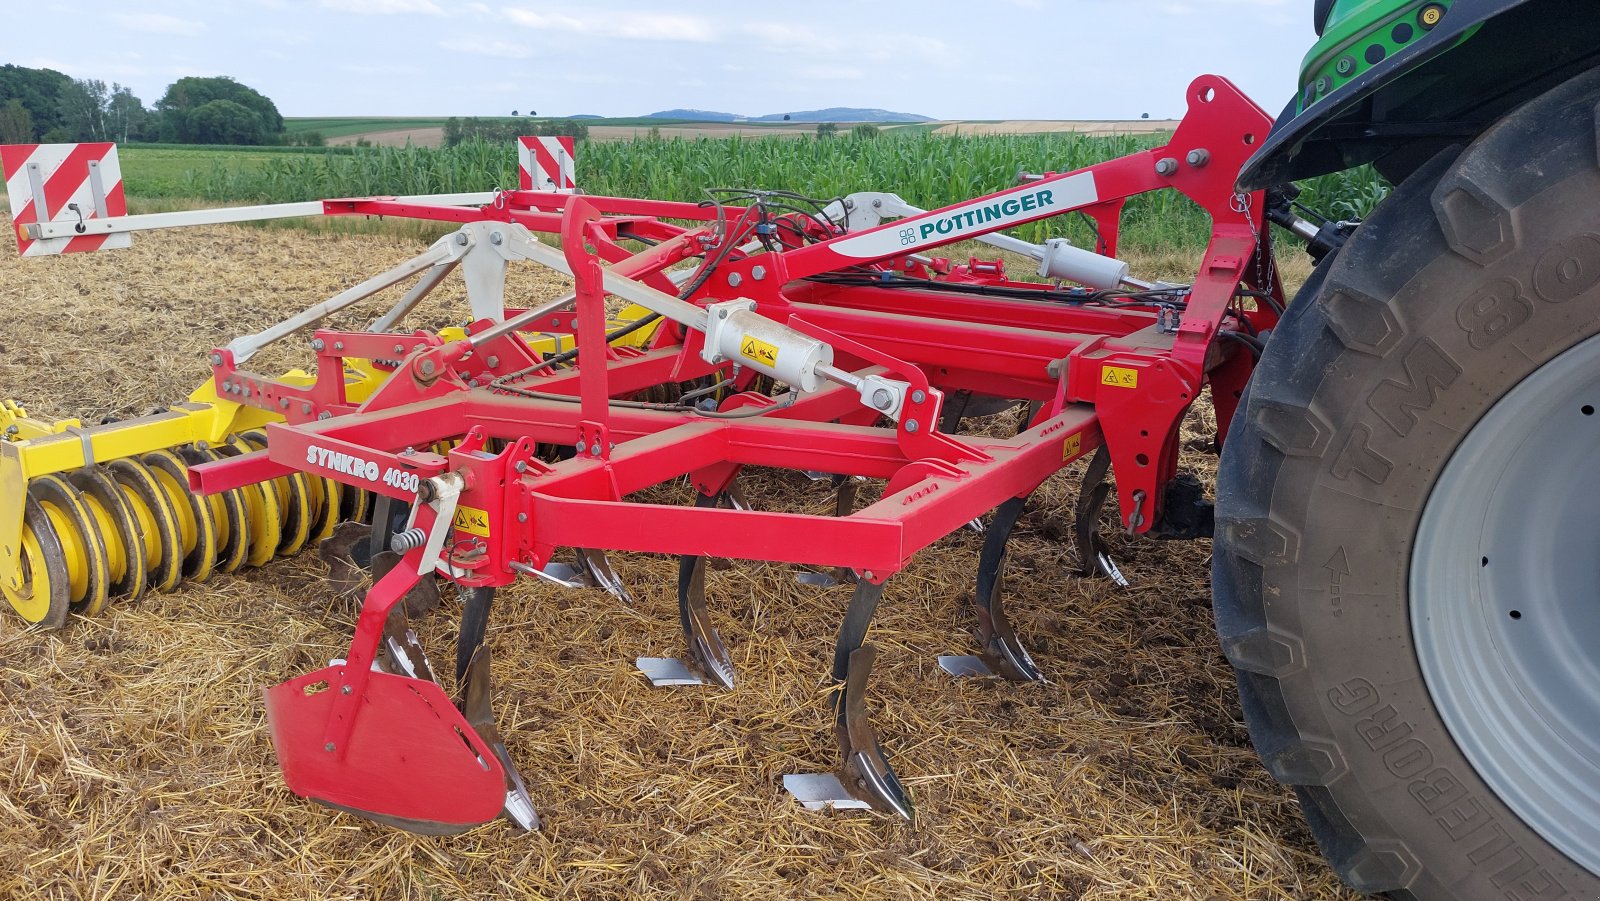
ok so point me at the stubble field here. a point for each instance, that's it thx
(134, 761)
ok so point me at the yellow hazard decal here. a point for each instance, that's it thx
(759, 351)
(471, 519)
(1071, 447)
(1119, 377)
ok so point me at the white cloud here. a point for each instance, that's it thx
(500, 49)
(383, 7)
(832, 73)
(156, 23)
(631, 26)
(383, 70)
(784, 35)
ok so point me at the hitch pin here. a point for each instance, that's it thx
(1137, 518)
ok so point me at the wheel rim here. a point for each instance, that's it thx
(1503, 582)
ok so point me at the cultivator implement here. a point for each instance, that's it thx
(825, 338)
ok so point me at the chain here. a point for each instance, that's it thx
(1266, 270)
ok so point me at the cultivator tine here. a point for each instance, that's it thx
(348, 554)
(476, 605)
(865, 774)
(476, 705)
(866, 763)
(475, 696)
(402, 652)
(596, 570)
(1002, 651)
(592, 570)
(708, 660)
(1093, 554)
(844, 502)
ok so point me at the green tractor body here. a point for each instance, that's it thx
(1392, 82)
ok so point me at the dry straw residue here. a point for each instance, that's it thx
(134, 761)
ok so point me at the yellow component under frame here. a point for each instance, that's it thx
(31, 448)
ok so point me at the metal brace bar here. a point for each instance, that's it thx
(446, 248)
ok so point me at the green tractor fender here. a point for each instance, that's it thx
(1393, 82)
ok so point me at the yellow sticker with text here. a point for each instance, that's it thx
(1071, 447)
(759, 351)
(1119, 377)
(471, 519)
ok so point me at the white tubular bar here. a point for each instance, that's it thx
(188, 218)
(446, 248)
(413, 297)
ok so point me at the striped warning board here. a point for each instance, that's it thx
(547, 163)
(68, 183)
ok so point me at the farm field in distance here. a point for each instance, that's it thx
(425, 131)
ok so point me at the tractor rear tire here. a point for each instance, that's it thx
(1433, 384)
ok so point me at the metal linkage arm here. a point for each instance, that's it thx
(448, 248)
(185, 218)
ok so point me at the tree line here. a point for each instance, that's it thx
(48, 106)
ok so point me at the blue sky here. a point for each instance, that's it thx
(1002, 59)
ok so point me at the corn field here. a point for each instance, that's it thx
(927, 170)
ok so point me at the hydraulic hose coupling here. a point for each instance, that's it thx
(736, 332)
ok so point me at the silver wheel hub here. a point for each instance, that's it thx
(1505, 600)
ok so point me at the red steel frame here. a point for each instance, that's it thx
(1101, 376)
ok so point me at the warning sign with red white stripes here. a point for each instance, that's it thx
(547, 163)
(66, 183)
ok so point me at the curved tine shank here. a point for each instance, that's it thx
(475, 607)
(866, 772)
(1001, 649)
(401, 653)
(707, 653)
(597, 570)
(844, 503)
(347, 553)
(1093, 555)
(733, 498)
(477, 693)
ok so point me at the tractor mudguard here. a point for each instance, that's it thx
(1383, 86)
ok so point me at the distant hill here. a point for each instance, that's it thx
(694, 115)
(583, 116)
(831, 114)
(844, 114)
